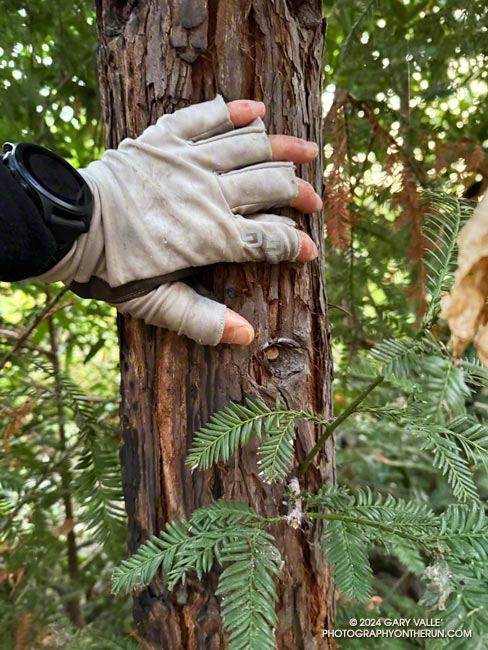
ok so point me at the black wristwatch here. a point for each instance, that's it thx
(61, 194)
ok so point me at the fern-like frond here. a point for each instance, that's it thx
(332, 497)
(249, 592)
(472, 437)
(467, 606)
(98, 484)
(376, 512)
(227, 431)
(465, 529)
(458, 585)
(398, 357)
(474, 371)
(226, 514)
(155, 552)
(444, 391)
(448, 457)
(212, 528)
(408, 554)
(344, 546)
(449, 213)
(358, 522)
(409, 518)
(98, 488)
(276, 452)
(232, 534)
(186, 546)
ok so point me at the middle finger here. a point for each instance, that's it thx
(259, 188)
(291, 149)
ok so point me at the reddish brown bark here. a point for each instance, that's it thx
(155, 56)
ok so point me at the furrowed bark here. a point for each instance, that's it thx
(155, 57)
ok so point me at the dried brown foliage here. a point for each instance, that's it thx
(337, 192)
(411, 214)
(465, 306)
(337, 195)
(16, 416)
(471, 151)
(65, 527)
(397, 165)
(22, 632)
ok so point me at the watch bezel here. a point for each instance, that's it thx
(66, 220)
(18, 162)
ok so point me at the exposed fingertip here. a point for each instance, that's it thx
(312, 149)
(237, 330)
(307, 199)
(319, 204)
(244, 111)
(260, 108)
(308, 249)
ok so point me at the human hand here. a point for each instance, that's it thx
(191, 191)
(286, 148)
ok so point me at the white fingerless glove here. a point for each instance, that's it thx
(190, 191)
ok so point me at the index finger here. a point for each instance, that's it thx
(245, 111)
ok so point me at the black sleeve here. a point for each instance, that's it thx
(27, 246)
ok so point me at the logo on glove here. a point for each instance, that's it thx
(253, 238)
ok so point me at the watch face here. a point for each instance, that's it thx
(55, 175)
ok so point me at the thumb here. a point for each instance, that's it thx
(177, 307)
(237, 329)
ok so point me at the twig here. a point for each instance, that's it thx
(360, 521)
(28, 331)
(12, 334)
(329, 428)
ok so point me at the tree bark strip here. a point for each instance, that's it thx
(156, 56)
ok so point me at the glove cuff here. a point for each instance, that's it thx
(84, 259)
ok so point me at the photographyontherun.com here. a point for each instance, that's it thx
(400, 628)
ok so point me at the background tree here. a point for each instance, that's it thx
(58, 455)
(406, 86)
(155, 58)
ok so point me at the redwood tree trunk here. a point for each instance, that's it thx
(156, 56)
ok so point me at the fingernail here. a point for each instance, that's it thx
(314, 252)
(308, 249)
(312, 148)
(261, 108)
(242, 335)
(237, 330)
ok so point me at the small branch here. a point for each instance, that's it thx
(362, 521)
(12, 334)
(332, 426)
(343, 309)
(27, 332)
